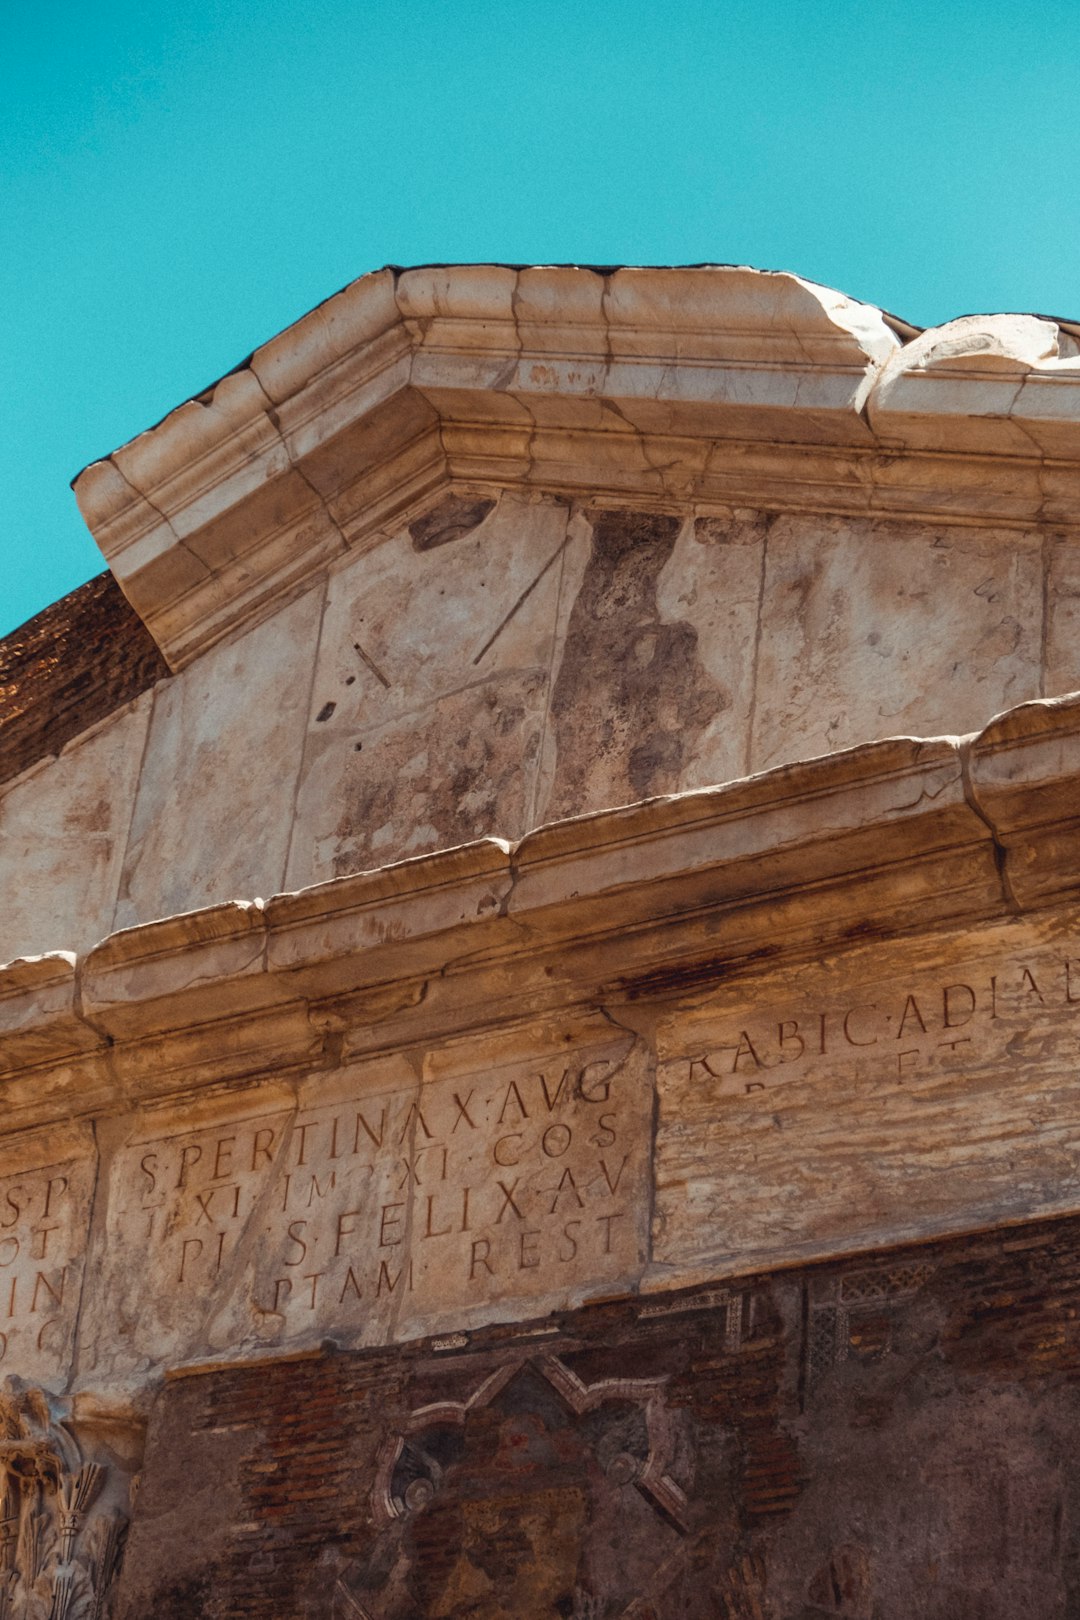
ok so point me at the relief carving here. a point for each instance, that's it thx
(62, 1525)
(522, 1495)
(853, 1314)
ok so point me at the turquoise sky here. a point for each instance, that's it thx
(180, 181)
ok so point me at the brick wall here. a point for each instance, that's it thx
(69, 667)
(877, 1439)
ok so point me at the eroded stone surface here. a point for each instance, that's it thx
(460, 769)
(46, 1190)
(379, 1203)
(431, 689)
(1062, 666)
(875, 630)
(502, 661)
(214, 807)
(63, 831)
(653, 685)
(874, 1091)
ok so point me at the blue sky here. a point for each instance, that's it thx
(180, 181)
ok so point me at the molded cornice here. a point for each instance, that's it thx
(711, 386)
(655, 901)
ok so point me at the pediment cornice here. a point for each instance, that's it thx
(711, 386)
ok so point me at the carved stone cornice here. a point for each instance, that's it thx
(628, 903)
(711, 385)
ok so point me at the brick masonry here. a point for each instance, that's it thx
(68, 668)
(877, 1439)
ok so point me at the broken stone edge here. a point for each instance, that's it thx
(714, 385)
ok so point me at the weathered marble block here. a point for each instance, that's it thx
(389, 1199)
(46, 1197)
(881, 1094)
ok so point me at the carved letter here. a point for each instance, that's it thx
(343, 1230)
(144, 1166)
(295, 1228)
(508, 1200)
(527, 1262)
(559, 1089)
(480, 1250)
(911, 1010)
(569, 1185)
(745, 1048)
(1030, 985)
(949, 1011)
(189, 1243)
(463, 1112)
(262, 1149)
(317, 1190)
(188, 1156)
(512, 1091)
(429, 1233)
(556, 1140)
(223, 1150)
(350, 1282)
(608, 1135)
(613, 1186)
(388, 1223)
(414, 1113)
(848, 1036)
(42, 1281)
(593, 1087)
(302, 1130)
(54, 1181)
(392, 1282)
(788, 1031)
(362, 1124)
(13, 1204)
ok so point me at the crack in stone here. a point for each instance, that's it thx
(965, 747)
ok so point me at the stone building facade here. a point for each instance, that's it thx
(539, 1044)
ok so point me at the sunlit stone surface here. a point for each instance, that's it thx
(539, 1044)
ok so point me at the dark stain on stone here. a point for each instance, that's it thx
(685, 976)
(477, 745)
(325, 712)
(453, 517)
(632, 696)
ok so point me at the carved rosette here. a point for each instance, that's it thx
(61, 1530)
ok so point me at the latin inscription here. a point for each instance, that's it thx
(387, 1209)
(891, 1092)
(902, 1029)
(43, 1212)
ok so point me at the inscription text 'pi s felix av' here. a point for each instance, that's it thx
(390, 1201)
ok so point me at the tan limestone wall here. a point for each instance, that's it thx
(505, 662)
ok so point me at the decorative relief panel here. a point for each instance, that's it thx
(886, 1093)
(385, 1201)
(503, 1502)
(63, 1514)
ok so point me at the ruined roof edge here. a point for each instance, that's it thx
(411, 380)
